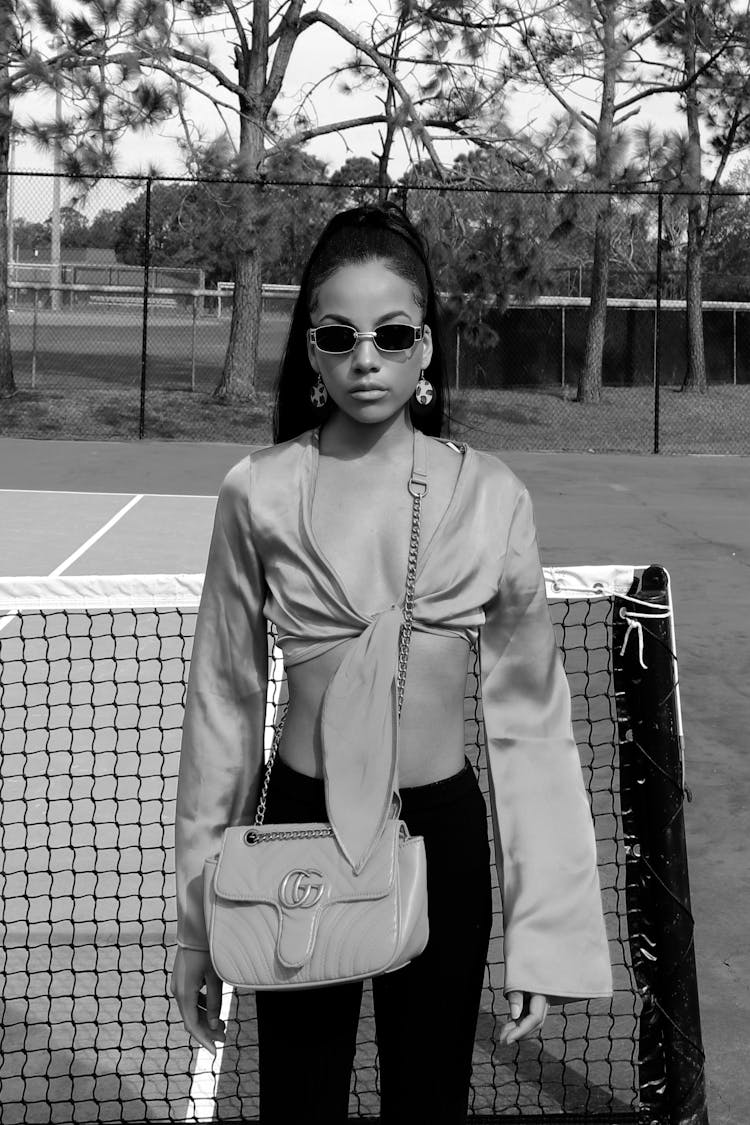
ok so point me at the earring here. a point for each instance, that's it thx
(318, 393)
(424, 392)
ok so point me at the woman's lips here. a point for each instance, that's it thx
(369, 393)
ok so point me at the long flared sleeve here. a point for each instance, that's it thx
(222, 738)
(555, 941)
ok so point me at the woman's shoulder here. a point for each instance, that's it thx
(487, 468)
(267, 462)
(283, 450)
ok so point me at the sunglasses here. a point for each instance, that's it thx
(338, 339)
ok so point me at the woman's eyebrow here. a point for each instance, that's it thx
(381, 319)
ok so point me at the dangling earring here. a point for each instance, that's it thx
(318, 393)
(424, 392)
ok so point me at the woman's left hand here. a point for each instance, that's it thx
(528, 1011)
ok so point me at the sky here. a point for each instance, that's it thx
(316, 52)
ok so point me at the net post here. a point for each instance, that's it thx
(671, 1058)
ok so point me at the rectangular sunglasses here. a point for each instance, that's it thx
(337, 339)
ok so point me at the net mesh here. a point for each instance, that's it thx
(91, 704)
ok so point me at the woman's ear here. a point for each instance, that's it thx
(312, 355)
(426, 347)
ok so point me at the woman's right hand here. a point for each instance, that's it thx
(200, 1010)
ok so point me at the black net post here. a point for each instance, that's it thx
(146, 282)
(671, 1062)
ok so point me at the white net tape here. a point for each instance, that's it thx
(166, 591)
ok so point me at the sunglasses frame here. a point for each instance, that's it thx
(417, 328)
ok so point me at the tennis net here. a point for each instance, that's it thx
(92, 681)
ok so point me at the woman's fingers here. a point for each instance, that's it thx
(197, 1026)
(213, 1001)
(196, 1007)
(209, 1010)
(528, 1013)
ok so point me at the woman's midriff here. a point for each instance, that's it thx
(431, 737)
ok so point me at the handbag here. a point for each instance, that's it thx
(284, 908)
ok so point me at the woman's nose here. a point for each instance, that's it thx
(366, 354)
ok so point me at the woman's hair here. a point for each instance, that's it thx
(362, 234)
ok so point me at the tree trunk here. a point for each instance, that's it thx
(590, 379)
(239, 376)
(7, 382)
(695, 373)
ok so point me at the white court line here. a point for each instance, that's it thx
(83, 548)
(85, 492)
(95, 537)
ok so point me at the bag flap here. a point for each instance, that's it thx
(302, 872)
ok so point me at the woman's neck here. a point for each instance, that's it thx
(348, 440)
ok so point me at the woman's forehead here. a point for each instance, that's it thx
(365, 287)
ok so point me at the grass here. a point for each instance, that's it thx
(550, 419)
(538, 419)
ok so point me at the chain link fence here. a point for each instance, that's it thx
(120, 306)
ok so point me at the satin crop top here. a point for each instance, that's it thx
(265, 563)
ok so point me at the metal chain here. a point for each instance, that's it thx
(260, 812)
(411, 582)
(403, 659)
(252, 837)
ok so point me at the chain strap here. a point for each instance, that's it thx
(252, 837)
(417, 491)
(260, 812)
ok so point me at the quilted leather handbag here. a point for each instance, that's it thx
(283, 907)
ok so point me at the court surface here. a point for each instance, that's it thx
(116, 508)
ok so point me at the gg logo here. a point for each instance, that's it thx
(301, 888)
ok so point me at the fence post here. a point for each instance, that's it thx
(657, 320)
(144, 335)
(458, 356)
(192, 343)
(562, 347)
(34, 325)
(202, 287)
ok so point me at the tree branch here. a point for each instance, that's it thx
(244, 45)
(191, 59)
(585, 120)
(289, 30)
(180, 77)
(677, 87)
(359, 44)
(304, 135)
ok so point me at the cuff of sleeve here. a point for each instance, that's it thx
(191, 945)
(554, 1000)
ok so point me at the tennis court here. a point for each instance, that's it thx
(115, 508)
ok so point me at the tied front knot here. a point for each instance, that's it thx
(359, 733)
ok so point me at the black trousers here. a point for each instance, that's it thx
(425, 1013)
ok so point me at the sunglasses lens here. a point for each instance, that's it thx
(335, 338)
(394, 337)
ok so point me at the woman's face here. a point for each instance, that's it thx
(369, 385)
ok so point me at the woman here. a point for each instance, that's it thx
(313, 534)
